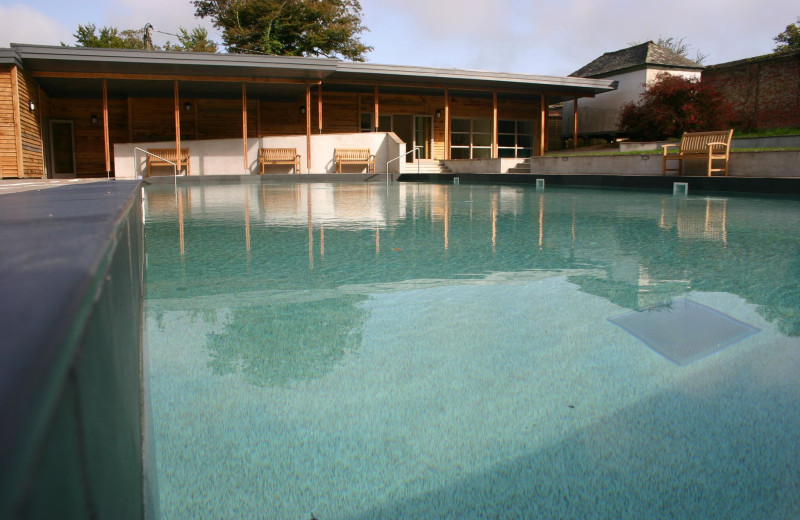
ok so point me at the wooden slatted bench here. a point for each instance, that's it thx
(354, 156)
(715, 146)
(165, 157)
(279, 156)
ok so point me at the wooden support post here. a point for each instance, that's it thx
(319, 107)
(308, 128)
(244, 128)
(196, 114)
(542, 124)
(178, 128)
(575, 123)
(377, 109)
(446, 124)
(39, 123)
(17, 122)
(105, 129)
(494, 124)
(358, 112)
(258, 117)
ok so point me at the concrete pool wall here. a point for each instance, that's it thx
(73, 415)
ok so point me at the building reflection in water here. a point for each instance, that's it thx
(597, 241)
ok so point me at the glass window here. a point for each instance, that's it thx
(506, 140)
(482, 139)
(459, 153)
(460, 125)
(482, 126)
(473, 138)
(366, 122)
(506, 127)
(384, 123)
(460, 139)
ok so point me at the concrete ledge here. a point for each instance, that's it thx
(789, 187)
(743, 164)
(284, 178)
(71, 405)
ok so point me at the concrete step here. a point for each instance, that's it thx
(521, 167)
(426, 166)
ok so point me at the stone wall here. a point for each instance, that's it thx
(764, 91)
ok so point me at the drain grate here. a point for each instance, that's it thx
(684, 331)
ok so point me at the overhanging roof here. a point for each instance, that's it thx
(75, 70)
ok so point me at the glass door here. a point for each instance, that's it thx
(62, 149)
(423, 136)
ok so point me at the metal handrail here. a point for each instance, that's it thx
(174, 166)
(416, 149)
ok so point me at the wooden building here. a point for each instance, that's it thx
(62, 109)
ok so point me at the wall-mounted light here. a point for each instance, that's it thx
(31, 105)
(94, 119)
(438, 114)
(188, 107)
(302, 111)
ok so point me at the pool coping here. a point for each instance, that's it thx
(56, 242)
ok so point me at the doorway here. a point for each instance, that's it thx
(62, 149)
(423, 136)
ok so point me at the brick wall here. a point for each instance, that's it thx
(764, 91)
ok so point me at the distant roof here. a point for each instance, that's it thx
(790, 55)
(638, 56)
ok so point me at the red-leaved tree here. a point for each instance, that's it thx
(672, 105)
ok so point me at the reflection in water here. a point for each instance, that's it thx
(649, 247)
(446, 343)
(277, 343)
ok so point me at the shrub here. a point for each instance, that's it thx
(672, 105)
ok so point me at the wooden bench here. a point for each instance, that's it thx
(166, 157)
(354, 156)
(715, 146)
(279, 156)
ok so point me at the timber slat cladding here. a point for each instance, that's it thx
(29, 123)
(282, 118)
(8, 141)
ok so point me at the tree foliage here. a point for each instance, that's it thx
(329, 28)
(678, 46)
(789, 39)
(672, 105)
(195, 41)
(109, 37)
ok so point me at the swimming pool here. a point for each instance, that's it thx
(355, 351)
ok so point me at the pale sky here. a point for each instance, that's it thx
(547, 37)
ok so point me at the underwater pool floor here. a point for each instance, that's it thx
(447, 353)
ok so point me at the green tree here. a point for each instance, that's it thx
(108, 37)
(788, 40)
(329, 28)
(672, 105)
(195, 41)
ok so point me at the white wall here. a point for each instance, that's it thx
(600, 114)
(225, 156)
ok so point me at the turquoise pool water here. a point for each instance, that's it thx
(354, 351)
